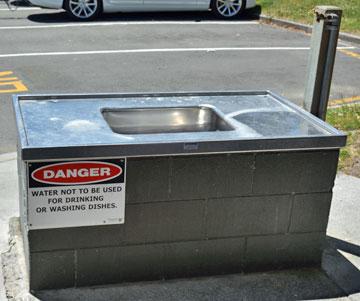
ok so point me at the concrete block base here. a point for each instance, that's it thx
(197, 215)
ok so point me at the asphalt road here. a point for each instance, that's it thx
(42, 51)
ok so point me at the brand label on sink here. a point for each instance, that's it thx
(76, 193)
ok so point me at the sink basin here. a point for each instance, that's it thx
(134, 121)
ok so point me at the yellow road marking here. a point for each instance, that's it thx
(350, 53)
(18, 86)
(11, 84)
(5, 79)
(4, 73)
(346, 100)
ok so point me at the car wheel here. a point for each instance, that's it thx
(228, 9)
(83, 10)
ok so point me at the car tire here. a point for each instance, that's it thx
(228, 9)
(83, 10)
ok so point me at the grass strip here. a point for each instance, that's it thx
(302, 11)
(347, 119)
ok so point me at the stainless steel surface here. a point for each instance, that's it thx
(165, 120)
(73, 126)
(321, 59)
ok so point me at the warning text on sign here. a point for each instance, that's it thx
(76, 205)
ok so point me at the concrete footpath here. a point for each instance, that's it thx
(8, 204)
(339, 279)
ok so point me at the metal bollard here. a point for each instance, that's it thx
(321, 59)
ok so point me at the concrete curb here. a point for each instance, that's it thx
(14, 266)
(306, 28)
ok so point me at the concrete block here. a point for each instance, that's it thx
(183, 259)
(119, 264)
(309, 171)
(148, 222)
(147, 179)
(164, 221)
(319, 172)
(159, 261)
(51, 270)
(247, 215)
(223, 256)
(73, 238)
(310, 212)
(211, 176)
(199, 258)
(284, 251)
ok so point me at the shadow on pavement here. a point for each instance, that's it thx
(302, 284)
(338, 263)
(62, 17)
(21, 3)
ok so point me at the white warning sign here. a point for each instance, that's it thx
(76, 193)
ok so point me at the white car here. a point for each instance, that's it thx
(90, 9)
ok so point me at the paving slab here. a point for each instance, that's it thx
(342, 262)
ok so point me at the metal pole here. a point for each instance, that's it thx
(321, 59)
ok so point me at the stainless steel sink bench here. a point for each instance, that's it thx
(194, 184)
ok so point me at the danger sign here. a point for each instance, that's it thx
(84, 172)
(76, 193)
